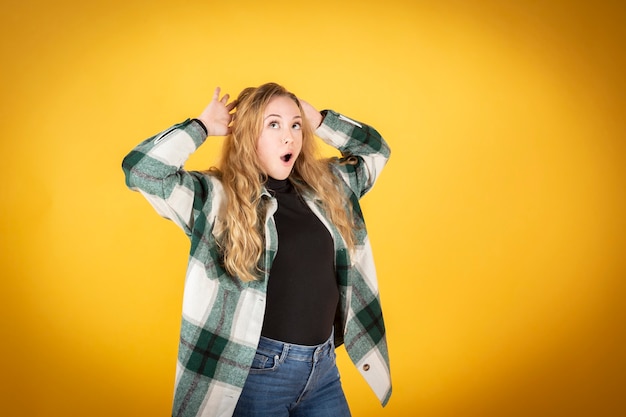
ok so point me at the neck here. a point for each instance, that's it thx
(277, 185)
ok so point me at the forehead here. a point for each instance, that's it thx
(282, 106)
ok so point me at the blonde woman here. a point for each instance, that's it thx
(280, 268)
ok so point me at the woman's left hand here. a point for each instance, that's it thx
(313, 116)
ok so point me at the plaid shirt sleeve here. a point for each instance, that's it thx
(154, 168)
(364, 151)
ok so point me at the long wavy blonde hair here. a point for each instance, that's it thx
(242, 240)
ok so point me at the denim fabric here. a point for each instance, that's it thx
(293, 380)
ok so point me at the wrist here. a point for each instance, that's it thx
(323, 114)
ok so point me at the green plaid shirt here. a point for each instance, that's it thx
(222, 316)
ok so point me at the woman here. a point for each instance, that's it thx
(280, 268)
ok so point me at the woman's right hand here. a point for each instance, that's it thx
(216, 116)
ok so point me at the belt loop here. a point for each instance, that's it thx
(284, 353)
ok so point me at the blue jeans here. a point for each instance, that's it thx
(293, 380)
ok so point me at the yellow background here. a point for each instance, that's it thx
(498, 225)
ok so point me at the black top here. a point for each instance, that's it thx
(302, 292)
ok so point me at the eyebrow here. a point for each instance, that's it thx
(278, 115)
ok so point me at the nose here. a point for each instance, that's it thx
(288, 138)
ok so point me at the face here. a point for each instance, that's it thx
(280, 142)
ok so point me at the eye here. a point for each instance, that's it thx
(296, 126)
(273, 125)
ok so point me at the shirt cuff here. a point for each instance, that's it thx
(206, 132)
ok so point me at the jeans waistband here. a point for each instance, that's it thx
(296, 352)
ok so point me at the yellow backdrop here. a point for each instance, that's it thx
(498, 225)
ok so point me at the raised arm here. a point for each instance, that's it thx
(364, 151)
(155, 166)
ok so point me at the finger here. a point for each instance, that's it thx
(231, 105)
(224, 99)
(216, 94)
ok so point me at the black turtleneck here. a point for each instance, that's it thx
(302, 293)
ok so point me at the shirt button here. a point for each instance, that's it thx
(366, 367)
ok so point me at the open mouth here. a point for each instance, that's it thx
(286, 157)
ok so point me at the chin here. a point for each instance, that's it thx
(281, 175)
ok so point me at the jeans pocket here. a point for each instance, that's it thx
(264, 362)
